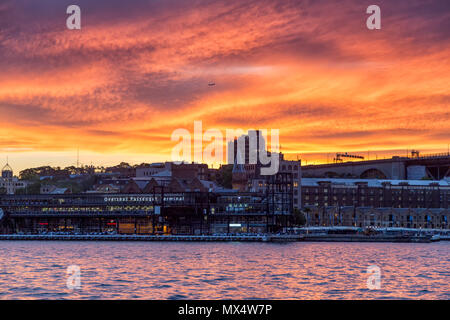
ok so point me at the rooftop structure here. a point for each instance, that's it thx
(8, 183)
(7, 171)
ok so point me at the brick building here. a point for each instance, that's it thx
(378, 203)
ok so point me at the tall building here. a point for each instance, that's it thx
(8, 182)
(239, 174)
(246, 175)
(249, 147)
(253, 141)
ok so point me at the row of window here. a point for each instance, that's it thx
(372, 191)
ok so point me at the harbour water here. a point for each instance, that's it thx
(223, 270)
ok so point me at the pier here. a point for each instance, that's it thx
(200, 238)
(227, 238)
(364, 238)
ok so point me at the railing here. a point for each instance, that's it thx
(430, 156)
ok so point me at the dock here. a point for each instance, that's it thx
(191, 238)
(365, 238)
(224, 238)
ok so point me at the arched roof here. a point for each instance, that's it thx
(7, 167)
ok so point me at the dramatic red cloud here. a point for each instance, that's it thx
(136, 72)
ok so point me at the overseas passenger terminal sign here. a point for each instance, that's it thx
(173, 198)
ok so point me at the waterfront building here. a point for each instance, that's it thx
(427, 218)
(379, 203)
(323, 192)
(160, 212)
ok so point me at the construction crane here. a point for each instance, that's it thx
(415, 153)
(339, 157)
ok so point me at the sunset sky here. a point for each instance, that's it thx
(138, 70)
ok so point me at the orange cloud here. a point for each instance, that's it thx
(123, 83)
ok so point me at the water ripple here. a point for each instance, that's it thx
(143, 270)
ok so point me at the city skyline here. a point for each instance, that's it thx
(118, 88)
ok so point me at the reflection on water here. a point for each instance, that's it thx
(151, 270)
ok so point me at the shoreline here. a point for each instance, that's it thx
(166, 238)
(223, 238)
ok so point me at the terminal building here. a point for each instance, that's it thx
(160, 212)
